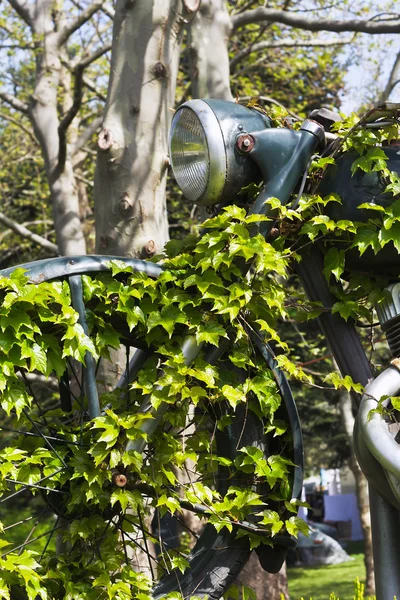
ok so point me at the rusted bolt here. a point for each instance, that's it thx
(119, 479)
(245, 143)
(106, 139)
(150, 248)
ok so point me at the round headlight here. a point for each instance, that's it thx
(198, 152)
(202, 149)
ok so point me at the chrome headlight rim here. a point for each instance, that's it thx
(216, 150)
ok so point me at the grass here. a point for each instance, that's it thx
(319, 582)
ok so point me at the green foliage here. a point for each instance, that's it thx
(201, 294)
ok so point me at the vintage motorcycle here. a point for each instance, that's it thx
(216, 148)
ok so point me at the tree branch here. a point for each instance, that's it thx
(284, 44)
(69, 117)
(26, 233)
(85, 15)
(393, 80)
(86, 135)
(77, 101)
(297, 20)
(15, 46)
(20, 125)
(14, 102)
(90, 85)
(85, 61)
(108, 11)
(23, 9)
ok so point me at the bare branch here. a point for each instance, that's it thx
(85, 61)
(26, 233)
(86, 135)
(69, 117)
(85, 15)
(393, 80)
(14, 102)
(23, 9)
(284, 44)
(20, 125)
(91, 86)
(262, 15)
(19, 46)
(77, 101)
(7, 232)
(107, 10)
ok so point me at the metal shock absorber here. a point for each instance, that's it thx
(389, 317)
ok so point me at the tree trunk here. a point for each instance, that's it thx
(267, 586)
(208, 51)
(131, 217)
(44, 117)
(362, 494)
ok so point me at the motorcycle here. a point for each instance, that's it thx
(216, 148)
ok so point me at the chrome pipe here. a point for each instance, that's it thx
(373, 426)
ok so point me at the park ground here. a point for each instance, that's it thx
(319, 583)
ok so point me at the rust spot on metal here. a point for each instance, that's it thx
(106, 139)
(119, 479)
(245, 143)
(103, 241)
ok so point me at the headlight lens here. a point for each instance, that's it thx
(197, 152)
(189, 154)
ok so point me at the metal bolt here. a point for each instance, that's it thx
(245, 143)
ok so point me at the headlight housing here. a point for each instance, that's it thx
(204, 161)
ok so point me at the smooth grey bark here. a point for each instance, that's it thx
(130, 203)
(51, 28)
(208, 51)
(43, 113)
(361, 492)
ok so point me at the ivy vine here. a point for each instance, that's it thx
(201, 293)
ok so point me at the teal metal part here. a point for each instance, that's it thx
(53, 268)
(282, 156)
(89, 373)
